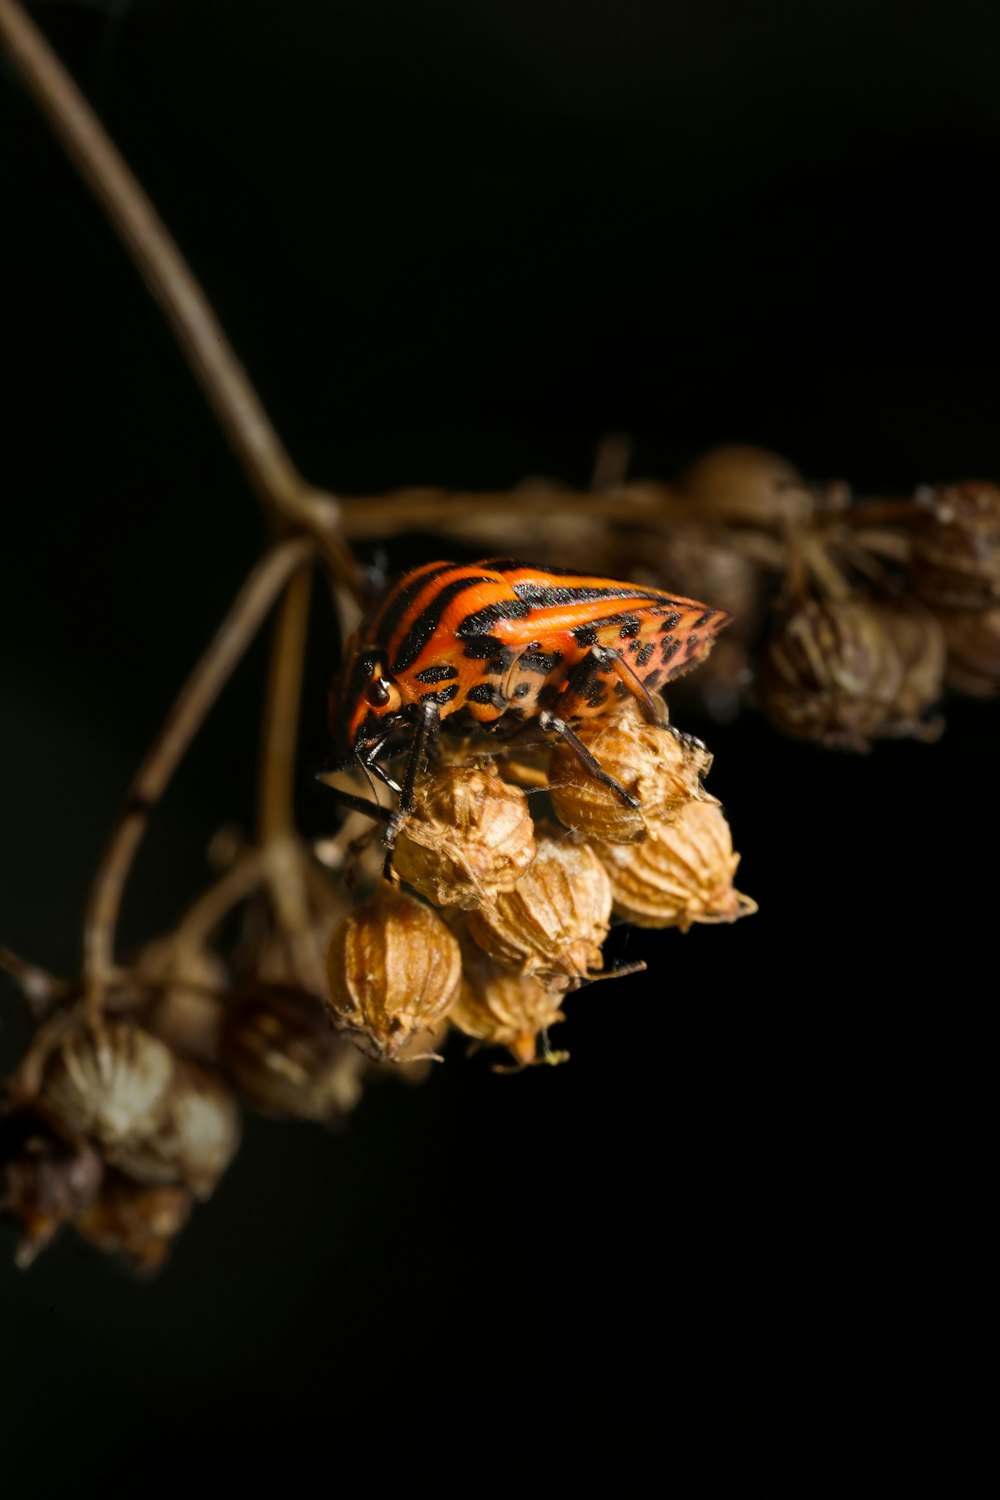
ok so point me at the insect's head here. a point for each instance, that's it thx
(365, 705)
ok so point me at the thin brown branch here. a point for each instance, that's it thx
(278, 484)
(275, 806)
(196, 698)
(639, 503)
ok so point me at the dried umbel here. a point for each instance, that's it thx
(469, 837)
(186, 985)
(393, 970)
(286, 1059)
(972, 639)
(554, 921)
(136, 1223)
(919, 643)
(845, 672)
(682, 874)
(44, 1181)
(112, 1086)
(955, 553)
(500, 1007)
(661, 769)
(195, 1140)
(744, 485)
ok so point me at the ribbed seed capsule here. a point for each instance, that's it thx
(682, 874)
(196, 1140)
(112, 1087)
(656, 766)
(972, 638)
(833, 672)
(747, 486)
(136, 1223)
(920, 646)
(500, 1007)
(286, 1058)
(393, 970)
(955, 556)
(469, 837)
(552, 924)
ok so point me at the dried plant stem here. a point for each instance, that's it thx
(277, 482)
(367, 517)
(40, 988)
(196, 698)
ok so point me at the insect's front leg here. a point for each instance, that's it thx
(428, 727)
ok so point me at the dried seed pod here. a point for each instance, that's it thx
(682, 874)
(194, 1142)
(747, 486)
(955, 554)
(503, 1008)
(658, 767)
(920, 646)
(553, 922)
(972, 638)
(44, 1181)
(393, 969)
(831, 672)
(112, 1086)
(185, 1010)
(286, 1059)
(469, 837)
(136, 1223)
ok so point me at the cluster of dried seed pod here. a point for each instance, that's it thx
(503, 908)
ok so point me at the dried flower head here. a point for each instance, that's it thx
(136, 1223)
(187, 984)
(469, 837)
(393, 970)
(844, 672)
(972, 639)
(285, 1057)
(500, 1007)
(554, 921)
(44, 1181)
(682, 874)
(955, 555)
(745, 485)
(112, 1086)
(661, 769)
(194, 1142)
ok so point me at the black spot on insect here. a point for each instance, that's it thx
(670, 623)
(620, 689)
(522, 690)
(629, 629)
(539, 661)
(585, 635)
(703, 619)
(480, 622)
(645, 653)
(693, 644)
(669, 648)
(502, 662)
(485, 692)
(436, 674)
(653, 680)
(479, 647)
(442, 696)
(597, 699)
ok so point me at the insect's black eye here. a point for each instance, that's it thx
(378, 693)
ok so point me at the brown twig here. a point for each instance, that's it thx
(641, 502)
(293, 502)
(196, 698)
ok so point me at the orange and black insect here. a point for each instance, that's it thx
(498, 645)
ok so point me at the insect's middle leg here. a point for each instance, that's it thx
(553, 724)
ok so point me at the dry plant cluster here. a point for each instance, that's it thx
(302, 972)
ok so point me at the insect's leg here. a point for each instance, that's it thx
(428, 724)
(359, 804)
(601, 659)
(550, 722)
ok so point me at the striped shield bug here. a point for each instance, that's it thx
(499, 646)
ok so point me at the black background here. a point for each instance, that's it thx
(741, 1243)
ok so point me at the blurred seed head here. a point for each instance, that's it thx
(112, 1086)
(972, 639)
(137, 1224)
(285, 1057)
(499, 1006)
(44, 1180)
(955, 553)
